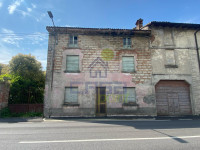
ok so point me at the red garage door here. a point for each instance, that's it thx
(173, 98)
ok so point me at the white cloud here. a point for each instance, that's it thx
(1, 4)
(9, 37)
(13, 6)
(6, 53)
(41, 56)
(29, 9)
(38, 19)
(33, 5)
(23, 13)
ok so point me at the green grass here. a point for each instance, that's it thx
(5, 113)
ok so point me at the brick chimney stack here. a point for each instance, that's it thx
(139, 24)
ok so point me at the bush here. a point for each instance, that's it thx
(5, 113)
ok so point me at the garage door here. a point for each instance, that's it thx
(173, 98)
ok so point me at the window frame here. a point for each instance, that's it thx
(127, 44)
(129, 103)
(66, 71)
(71, 103)
(134, 64)
(71, 45)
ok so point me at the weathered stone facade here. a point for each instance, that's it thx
(160, 53)
(176, 41)
(91, 44)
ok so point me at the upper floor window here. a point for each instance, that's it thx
(73, 41)
(72, 63)
(127, 42)
(128, 64)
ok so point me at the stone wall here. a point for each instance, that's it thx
(4, 94)
(91, 47)
(181, 42)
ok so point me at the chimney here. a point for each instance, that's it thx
(139, 24)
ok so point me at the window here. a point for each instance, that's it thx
(128, 64)
(72, 63)
(170, 59)
(71, 95)
(129, 95)
(127, 42)
(73, 41)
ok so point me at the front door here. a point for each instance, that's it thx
(101, 101)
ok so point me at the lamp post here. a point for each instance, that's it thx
(52, 59)
(54, 45)
(51, 16)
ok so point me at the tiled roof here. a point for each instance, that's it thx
(93, 31)
(173, 24)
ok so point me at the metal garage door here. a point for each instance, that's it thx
(173, 98)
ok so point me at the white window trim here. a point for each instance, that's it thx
(73, 45)
(126, 46)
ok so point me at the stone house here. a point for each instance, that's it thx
(112, 72)
(175, 67)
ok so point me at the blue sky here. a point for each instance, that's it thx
(23, 22)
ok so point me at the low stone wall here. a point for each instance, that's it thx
(23, 108)
(4, 94)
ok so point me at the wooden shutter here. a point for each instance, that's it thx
(71, 95)
(128, 64)
(129, 94)
(72, 63)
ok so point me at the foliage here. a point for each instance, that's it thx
(4, 69)
(5, 113)
(27, 80)
(26, 66)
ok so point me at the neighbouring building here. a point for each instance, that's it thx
(150, 70)
(175, 67)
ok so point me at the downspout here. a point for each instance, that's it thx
(53, 56)
(197, 47)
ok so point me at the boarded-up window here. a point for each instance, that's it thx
(72, 63)
(170, 57)
(129, 94)
(128, 64)
(71, 95)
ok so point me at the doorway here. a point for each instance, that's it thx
(100, 101)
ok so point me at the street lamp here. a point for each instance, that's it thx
(51, 16)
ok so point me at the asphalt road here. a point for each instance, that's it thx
(100, 135)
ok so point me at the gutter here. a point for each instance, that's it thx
(197, 48)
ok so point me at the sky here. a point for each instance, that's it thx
(23, 22)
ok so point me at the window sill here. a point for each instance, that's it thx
(171, 66)
(71, 71)
(71, 104)
(130, 104)
(73, 46)
(129, 72)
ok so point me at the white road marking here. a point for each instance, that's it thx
(104, 140)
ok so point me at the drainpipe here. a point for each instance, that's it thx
(197, 47)
(53, 55)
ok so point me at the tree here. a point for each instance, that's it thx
(26, 66)
(4, 69)
(28, 79)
